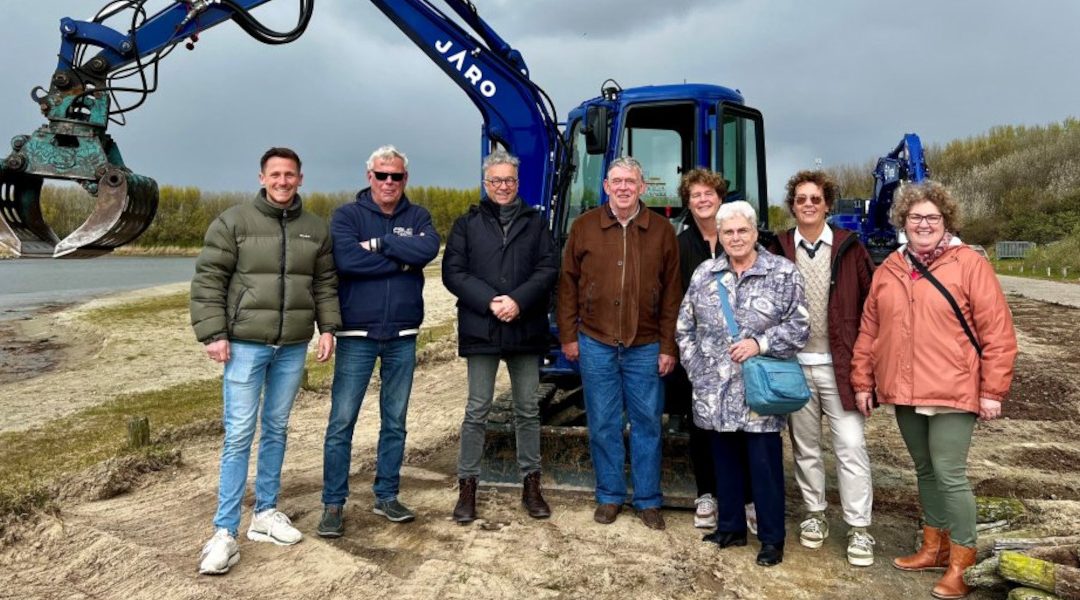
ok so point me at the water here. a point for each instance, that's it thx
(28, 285)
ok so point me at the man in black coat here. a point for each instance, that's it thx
(500, 262)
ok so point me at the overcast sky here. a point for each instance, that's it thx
(838, 81)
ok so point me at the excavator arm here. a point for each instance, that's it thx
(95, 59)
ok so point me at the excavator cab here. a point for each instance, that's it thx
(669, 130)
(72, 146)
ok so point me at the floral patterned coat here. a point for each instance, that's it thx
(770, 306)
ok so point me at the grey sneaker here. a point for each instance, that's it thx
(331, 525)
(219, 554)
(393, 510)
(813, 530)
(860, 548)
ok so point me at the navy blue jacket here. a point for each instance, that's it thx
(481, 262)
(381, 292)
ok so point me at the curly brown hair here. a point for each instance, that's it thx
(701, 176)
(828, 186)
(910, 194)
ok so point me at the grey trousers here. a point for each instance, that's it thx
(524, 372)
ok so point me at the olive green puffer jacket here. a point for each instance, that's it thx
(265, 275)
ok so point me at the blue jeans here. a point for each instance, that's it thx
(352, 371)
(254, 370)
(617, 379)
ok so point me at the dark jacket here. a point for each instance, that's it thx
(849, 284)
(265, 275)
(480, 262)
(382, 290)
(693, 250)
(620, 285)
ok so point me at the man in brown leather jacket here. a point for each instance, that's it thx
(619, 296)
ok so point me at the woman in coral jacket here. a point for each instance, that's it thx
(913, 351)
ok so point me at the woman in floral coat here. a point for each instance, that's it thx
(766, 293)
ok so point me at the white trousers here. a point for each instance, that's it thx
(849, 445)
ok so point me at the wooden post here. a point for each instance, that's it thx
(1026, 593)
(985, 575)
(138, 432)
(1044, 575)
(989, 509)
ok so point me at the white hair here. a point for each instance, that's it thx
(627, 162)
(500, 157)
(740, 208)
(386, 154)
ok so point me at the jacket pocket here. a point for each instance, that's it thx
(237, 309)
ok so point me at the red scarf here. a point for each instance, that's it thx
(927, 258)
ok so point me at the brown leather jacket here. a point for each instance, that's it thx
(912, 349)
(620, 285)
(849, 283)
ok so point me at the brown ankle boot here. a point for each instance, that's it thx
(531, 498)
(952, 585)
(465, 511)
(934, 553)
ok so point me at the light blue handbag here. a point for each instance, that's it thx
(774, 386)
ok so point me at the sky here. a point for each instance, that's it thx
(839, 81)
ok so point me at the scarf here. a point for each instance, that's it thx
(927, 258)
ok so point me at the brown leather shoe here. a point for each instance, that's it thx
(951, 585)
(934, 553)
(605, 513)
(652, 518)
(531, 498)
(465, 511)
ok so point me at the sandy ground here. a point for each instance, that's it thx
(145, 543)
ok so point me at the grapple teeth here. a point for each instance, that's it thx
(126, 204)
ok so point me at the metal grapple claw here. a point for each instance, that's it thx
(72, 148)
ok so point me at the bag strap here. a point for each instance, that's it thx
(952, 301)
(729, 315)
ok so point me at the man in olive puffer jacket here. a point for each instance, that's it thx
(265, 276)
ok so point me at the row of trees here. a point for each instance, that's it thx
(1013, 182)
(184, 213)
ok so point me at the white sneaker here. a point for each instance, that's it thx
(751, 518)
(813, 530)
(705, 513)
(860, 548)
(271, 525)
(219, 554)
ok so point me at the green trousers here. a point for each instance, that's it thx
(939, 446)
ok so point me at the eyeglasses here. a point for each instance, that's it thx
(740, 232)
(914, 219)
(501, 181)
(382, 175)
(815, 200)
(619, 181)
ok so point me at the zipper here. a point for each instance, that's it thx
(281, 280)
(386, 299)
(622, 282)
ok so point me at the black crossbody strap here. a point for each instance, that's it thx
(952, 301)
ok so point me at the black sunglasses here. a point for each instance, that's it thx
(381, 176)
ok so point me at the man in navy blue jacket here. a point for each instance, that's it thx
(381, 244)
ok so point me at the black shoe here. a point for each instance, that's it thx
(331, 525)
(771, 555)
(725, 539)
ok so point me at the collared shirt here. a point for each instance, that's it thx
(826, 239)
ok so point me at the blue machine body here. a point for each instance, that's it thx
(869, 218)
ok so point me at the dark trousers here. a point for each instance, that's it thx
(758, 457)
(678, 400)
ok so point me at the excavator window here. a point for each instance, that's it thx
(661, 138)
(583, 192)
(741, 156)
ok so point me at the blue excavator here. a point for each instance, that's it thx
(668, 128)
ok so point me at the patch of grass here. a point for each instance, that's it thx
(139, 309)
(33, 461)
